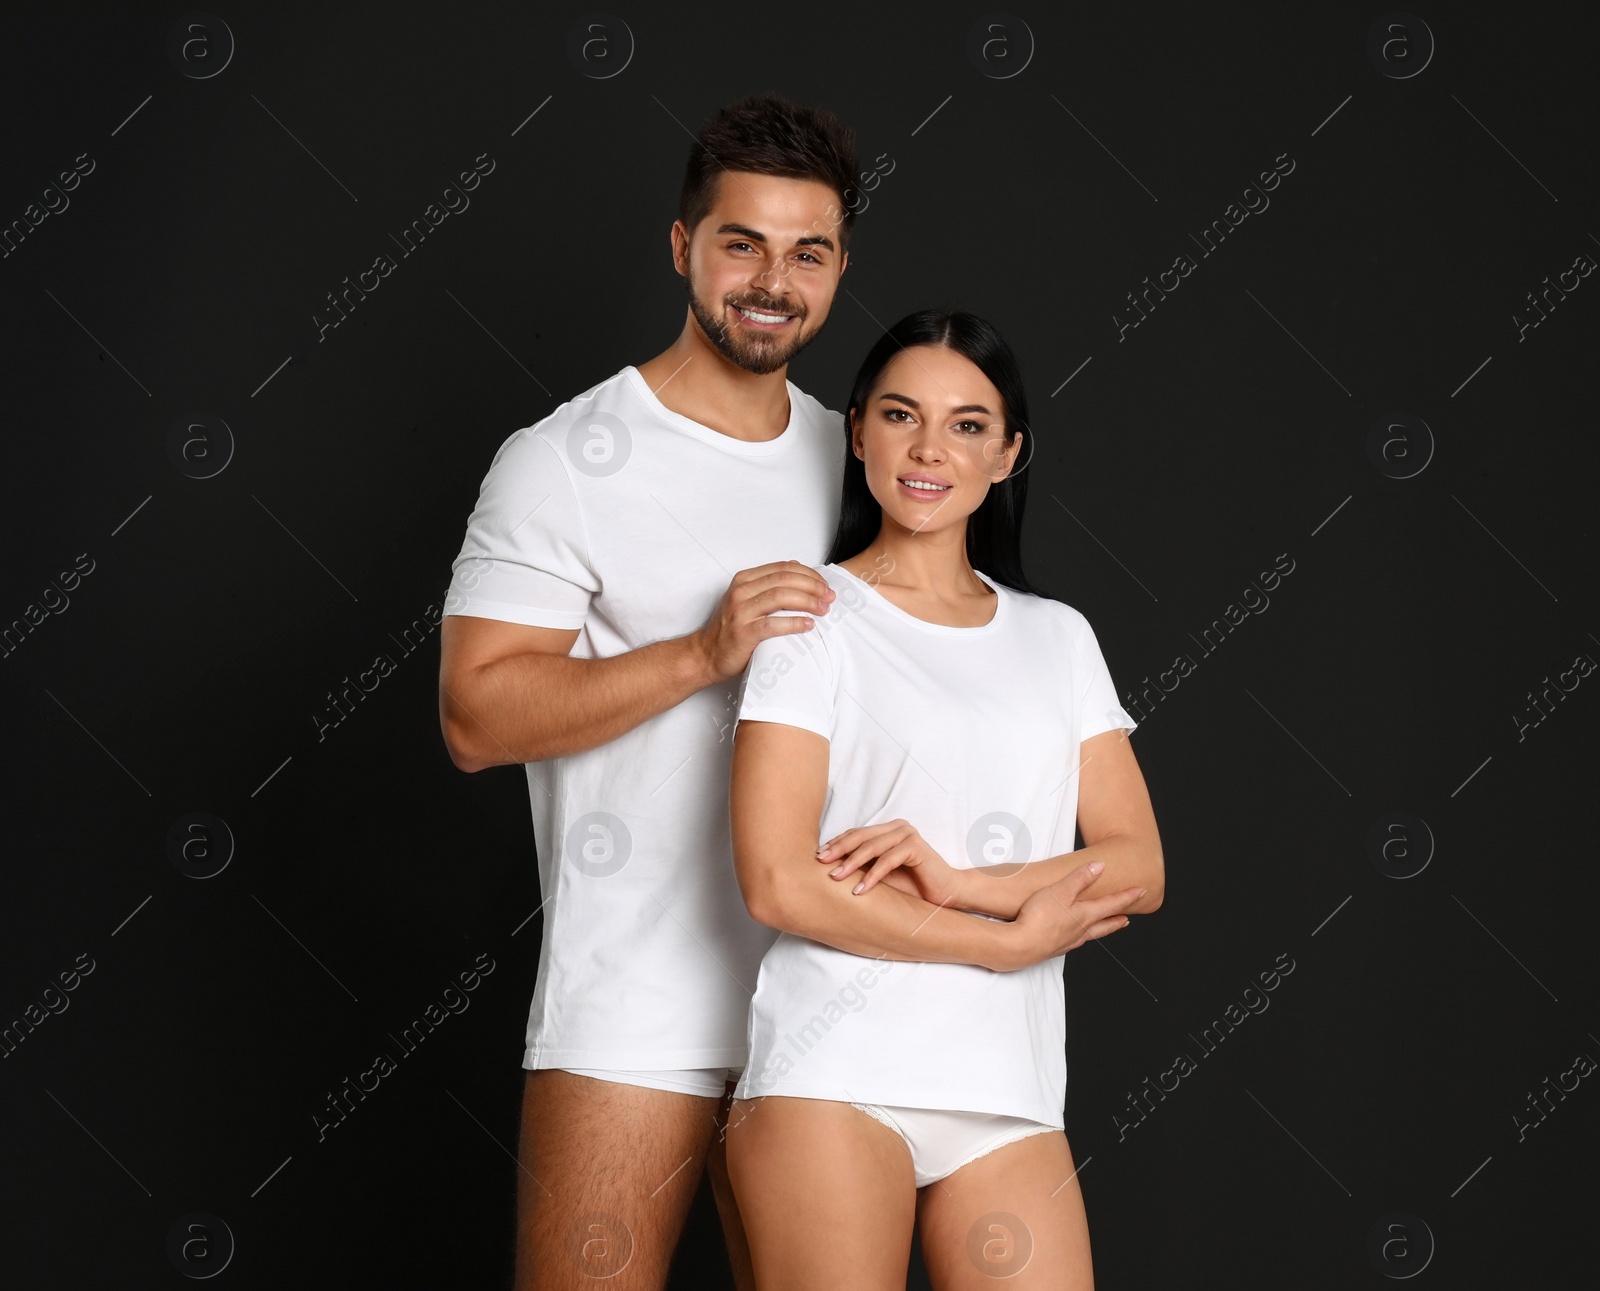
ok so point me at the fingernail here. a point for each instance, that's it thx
(1096, 867)
(836, 871)
(857, 889)
(823, 850)
(1142, 891)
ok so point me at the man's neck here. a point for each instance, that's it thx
(697, 382)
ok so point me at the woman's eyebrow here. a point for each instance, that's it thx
(966, 407)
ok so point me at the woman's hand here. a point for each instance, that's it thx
(1058, 918)
(897, 853)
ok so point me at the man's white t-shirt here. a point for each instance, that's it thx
(972, 735)
(621, 518)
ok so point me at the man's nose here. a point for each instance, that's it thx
(770, 279)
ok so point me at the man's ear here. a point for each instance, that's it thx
(678, 238)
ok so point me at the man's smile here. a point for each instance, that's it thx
(761, 319)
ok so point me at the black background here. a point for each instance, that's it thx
(185, 674)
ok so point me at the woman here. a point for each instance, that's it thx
(941, 729)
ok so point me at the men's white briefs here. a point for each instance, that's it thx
(706, 1082)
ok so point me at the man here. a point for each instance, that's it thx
(626, 554)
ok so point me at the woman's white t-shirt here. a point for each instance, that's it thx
(971, 734)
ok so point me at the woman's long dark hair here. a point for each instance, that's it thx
(994, 530)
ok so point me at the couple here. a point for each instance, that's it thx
(717, 634)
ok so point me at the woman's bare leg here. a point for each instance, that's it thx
(744, 1277)
(826, 1194)
(1016, 1214)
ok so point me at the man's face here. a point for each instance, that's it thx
(762, 267)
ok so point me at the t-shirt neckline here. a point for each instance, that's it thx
(743, 447)
(940, 629)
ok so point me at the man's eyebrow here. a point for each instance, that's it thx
(743, 231)
(966, 407)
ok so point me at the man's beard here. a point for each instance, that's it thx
(755, 353)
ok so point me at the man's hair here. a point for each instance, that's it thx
(767, 135)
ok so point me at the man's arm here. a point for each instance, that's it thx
(1118, 826)
(775, 801)
(511, 693)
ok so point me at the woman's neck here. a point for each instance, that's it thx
(928, 570)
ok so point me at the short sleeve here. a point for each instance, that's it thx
(525, 556)
(1098, 709)
(790, 680)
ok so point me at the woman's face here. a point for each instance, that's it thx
(932, 438)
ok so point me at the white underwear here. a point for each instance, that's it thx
(941, 1142)
(707, 1082)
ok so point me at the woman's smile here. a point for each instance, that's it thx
(924, 488)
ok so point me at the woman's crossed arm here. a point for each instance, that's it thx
(776, 792)
(1115, 818)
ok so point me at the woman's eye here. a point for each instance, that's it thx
(977, 427)
(892, 413)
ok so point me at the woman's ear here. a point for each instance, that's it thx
(1013, 450)
(999, 465)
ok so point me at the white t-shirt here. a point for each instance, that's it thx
(971, 734)
(619, 517)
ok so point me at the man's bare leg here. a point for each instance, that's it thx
(744, 1274)
(608, 1175)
